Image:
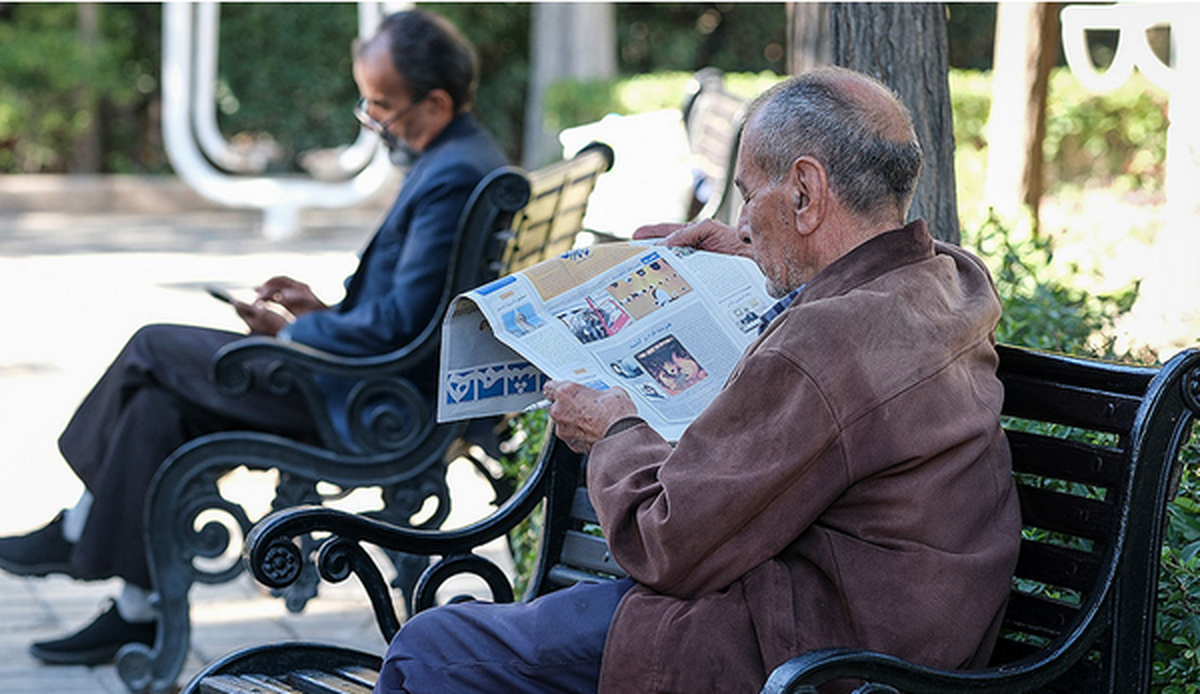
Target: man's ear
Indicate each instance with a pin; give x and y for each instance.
(442, 103)
(810, 193)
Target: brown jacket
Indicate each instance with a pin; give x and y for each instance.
(850, 486)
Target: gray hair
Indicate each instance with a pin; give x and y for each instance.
(812, 115)
(429, 53)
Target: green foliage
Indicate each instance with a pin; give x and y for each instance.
(1119, 135)
(1041, 308)
(530, 432)
(285, 71)
(55, 86)
(735, 37)
(1177, 646)
(972, 31)
(1113, 139)
(500, 33)
(570, 103)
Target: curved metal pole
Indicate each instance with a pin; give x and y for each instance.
(350, 161)
(281, 199)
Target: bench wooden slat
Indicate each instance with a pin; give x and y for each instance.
(320, 682)
(559, 576)
(1065, 460)
(1038, 615)
(1039, 399)
(362, 675)
(1065, 513)
(244, 684)
(589, 552)
(1057, 566)
(581, 507)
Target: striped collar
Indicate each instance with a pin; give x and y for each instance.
(778, 308)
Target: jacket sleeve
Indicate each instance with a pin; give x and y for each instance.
(385, 321)
(746, 478)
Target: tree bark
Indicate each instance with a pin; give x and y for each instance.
(568, 41)
(85, 154)
(808, 32)
(906, 47)
(1027, 41)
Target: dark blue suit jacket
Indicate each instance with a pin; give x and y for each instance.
(396, 288)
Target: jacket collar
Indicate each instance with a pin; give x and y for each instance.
(874, 257)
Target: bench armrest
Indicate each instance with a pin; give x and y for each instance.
(273, 555)
(885, 673)
(384, 410)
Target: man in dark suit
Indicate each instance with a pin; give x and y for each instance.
(417, 78)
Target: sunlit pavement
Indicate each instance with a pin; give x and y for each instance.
(76, 282)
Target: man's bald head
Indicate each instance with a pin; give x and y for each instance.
(853, 124)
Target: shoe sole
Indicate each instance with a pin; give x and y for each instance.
(95, 656)
(36, 570)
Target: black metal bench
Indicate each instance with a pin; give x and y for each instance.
(512, 220)
(1095, 451)
(713, 118)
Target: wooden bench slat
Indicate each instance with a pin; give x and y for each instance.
(559, 576)
(1066, 460)
(581, 507)
(1037, 614)
(1057, 566)
(244, 684)
(1065, 513)
(362, 675)
(588, 552)
(320, 682)
(1042, 400)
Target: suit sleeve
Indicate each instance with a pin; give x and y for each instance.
(755, 469)
(384, 321)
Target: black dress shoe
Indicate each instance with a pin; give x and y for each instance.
(41, 552)
(97, 643)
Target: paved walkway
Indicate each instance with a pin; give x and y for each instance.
(81, 268)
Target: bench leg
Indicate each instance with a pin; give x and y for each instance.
(401, 503)
(172, 544)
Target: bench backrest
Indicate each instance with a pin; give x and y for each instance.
(1091, 442)
(1094, 448)
(511, 219)
(712, 118)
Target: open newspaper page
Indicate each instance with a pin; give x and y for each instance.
(666, 324)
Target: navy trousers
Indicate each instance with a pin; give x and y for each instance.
(156, 396)
(551, 644)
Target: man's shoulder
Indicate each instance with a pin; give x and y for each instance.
(467, 146)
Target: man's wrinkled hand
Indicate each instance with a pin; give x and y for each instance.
(582, 415)
(297, 297)
(704, 234)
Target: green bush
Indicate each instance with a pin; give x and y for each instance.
(1117, 138)
(54, 87)
(285, 71)
(1177, 647)
(1042, 310)
(570, 103)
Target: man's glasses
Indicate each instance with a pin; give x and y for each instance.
(380, 127)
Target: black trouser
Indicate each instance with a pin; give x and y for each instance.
(154, 397)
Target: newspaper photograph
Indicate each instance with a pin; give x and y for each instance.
(667, 324)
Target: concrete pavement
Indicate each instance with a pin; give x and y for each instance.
(84, 263)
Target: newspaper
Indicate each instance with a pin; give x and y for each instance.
(666, 324)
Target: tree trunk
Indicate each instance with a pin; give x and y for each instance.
(85, 153)
(808, 32)
(906, 47)
(567, 41)
(1027, 41)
